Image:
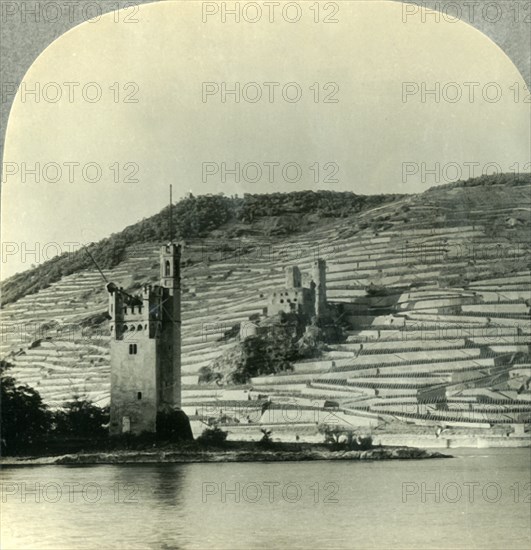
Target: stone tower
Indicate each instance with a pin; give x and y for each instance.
(170, 281)
(293, 277)
(146, 349)
(319, 279)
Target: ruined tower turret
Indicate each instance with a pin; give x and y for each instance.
(319, 279)
(293, 277)
(170, 281)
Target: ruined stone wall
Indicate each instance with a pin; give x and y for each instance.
(291, 300)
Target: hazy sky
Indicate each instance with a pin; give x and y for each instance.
(172, 129)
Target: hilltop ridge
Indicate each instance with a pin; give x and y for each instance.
(198, 218)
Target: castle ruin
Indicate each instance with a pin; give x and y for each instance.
(309, 301)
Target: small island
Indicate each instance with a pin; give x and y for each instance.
(212, 446)
(238, 454)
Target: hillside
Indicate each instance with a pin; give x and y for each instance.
(446, 342)
(197, 218)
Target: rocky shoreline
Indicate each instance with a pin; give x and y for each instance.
(180, 456)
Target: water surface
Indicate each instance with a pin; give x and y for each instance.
(480, 499)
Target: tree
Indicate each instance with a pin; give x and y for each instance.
(266, 442)
(81, 418)
(24, 419)
(340, 438)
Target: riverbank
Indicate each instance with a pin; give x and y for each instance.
(219, 455)
(456, 441)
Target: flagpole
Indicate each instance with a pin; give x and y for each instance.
(171, 216)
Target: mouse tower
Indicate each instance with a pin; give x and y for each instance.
(145, 332)
(146, 349)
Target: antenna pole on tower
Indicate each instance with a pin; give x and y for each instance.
(171, 216)
(95, 263)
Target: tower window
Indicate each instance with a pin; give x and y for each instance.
(139, 395)
(167, 269)
(132, 349)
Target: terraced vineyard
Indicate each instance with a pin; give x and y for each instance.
(446, 344)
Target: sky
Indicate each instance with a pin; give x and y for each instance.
(129, 105)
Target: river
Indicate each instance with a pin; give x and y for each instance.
(479, 499)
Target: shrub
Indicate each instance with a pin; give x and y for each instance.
(378, 290)
(207, 375)
(213, 436)
(265, 442)
(361, 443)
(339, 438)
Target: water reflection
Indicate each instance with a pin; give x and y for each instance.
(169, 484)
(168, 511)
